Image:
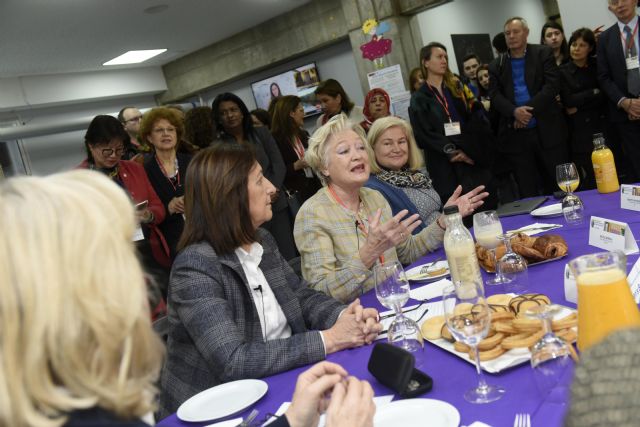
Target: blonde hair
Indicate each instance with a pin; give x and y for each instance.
(415, 160)
(76, 331)
(317, 153)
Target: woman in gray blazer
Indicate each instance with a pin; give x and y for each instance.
(236, 308)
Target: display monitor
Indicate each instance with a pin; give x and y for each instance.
(301, 82)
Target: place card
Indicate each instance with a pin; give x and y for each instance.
(630, 197)
(611, 235)
(634, 281)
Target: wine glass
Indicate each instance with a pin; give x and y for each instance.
(487, 227)
(568, 180)
(551, 355)
(392, 290)
(513, 267)
(468, 318)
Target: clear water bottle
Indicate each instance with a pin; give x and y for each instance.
(460, 249)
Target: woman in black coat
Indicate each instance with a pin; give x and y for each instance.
(233, 120)
(583, 102)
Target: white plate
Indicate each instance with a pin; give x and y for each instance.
(222, 400)
(428, 278)
(417, 413)
(511, 358)
(548, 211)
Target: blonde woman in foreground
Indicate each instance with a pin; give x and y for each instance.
(76, 343)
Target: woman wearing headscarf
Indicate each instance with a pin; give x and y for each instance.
(377, 104)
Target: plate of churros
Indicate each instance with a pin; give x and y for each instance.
(511, 335)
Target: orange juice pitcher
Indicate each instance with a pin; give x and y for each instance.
(605, 303)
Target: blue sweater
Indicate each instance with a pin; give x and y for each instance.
(397, 199)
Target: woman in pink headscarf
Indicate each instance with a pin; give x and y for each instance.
(377, 104)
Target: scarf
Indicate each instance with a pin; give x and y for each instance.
(405, 178)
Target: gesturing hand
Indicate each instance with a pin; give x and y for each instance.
(308, 398)
(469, 202)
(383, 236)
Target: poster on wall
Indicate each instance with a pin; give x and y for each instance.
(465, 44)
(389, 78)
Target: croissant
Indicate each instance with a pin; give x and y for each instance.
(551, 246)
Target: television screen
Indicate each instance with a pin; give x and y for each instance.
(301, 82)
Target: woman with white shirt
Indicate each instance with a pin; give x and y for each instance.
(236, 308)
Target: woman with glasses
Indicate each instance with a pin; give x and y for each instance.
(104, 142)
(162, 128)
(234, 122)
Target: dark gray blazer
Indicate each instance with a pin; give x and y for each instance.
(215, 334)
(612, 71)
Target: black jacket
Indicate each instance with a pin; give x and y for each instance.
(543, 82)
(580, 90)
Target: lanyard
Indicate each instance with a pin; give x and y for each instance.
(628, 44)
(298, 147)
(164, 172)
(440, 99)
(359, 221)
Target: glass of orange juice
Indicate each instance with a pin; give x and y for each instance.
(605, 303)
(568, 180)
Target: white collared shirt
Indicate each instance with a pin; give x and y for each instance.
(272, 319)
(632, 24)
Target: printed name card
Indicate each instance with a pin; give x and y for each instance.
(634, 281)
(611, 235)
(630, 197)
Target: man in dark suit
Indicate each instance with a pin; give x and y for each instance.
(532, 132)
(619, 78)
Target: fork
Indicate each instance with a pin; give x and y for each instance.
(247, 421)
(417, 320)
(522, 420)
(425, 268)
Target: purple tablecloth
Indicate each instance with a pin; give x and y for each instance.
(451, 375)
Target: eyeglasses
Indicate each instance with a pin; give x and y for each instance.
(134, 119)
(108, 152)
(160, 131)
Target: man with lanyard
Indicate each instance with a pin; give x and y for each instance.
(532, 132)
(619, 78)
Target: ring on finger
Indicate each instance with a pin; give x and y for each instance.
(402, 235)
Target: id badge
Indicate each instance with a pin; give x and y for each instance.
(308, 172)
(632, 62)
(452, 128)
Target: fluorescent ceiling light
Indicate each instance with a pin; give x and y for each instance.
(135, 56)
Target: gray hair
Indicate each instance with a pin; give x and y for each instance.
(517, 18)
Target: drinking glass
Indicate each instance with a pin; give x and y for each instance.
(487, 227)
(568, 180)
(551, 355)
(605, 301)
(392, 290)
(513, 267)
(468, 318)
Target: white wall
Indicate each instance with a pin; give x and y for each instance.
(479, 17)
(335, 61)
(584, 13)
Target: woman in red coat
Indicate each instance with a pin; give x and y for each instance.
(104, 142)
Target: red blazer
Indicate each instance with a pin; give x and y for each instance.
(134, 178)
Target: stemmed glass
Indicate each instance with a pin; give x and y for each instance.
(551, 355)
(468, 318)
(392, 290)
(568, 180)
(513, 268)
(487, 227)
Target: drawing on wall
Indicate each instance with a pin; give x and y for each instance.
(464, 44)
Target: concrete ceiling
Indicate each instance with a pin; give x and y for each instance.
(64, 36)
